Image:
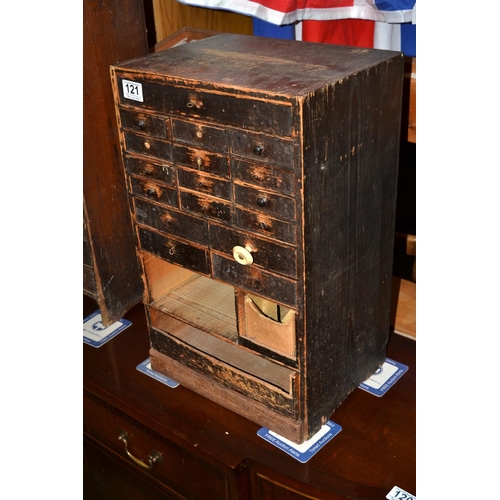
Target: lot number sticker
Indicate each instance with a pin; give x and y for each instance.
(399, 494)
(132, 90)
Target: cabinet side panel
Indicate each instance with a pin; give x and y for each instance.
(113, 31)
(351, 134)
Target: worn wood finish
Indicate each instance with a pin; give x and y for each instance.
(210, 450)
(112, 31)
(312, 132)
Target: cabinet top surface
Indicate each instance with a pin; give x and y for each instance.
(251, 63)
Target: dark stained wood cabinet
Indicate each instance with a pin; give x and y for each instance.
(262, 182)
(209, 452)
(112, 31)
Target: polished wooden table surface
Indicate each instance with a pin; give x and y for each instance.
(375, 450)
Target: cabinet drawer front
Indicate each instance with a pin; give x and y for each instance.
(181, 471)
(154, 191)
(268, 226)
(200, 181)
(174, 251)
(203, 205)
(149, 147)
(266, 254)
(161, 171)
(199, 159)
(153, 126)
(200, 135)
(264, 201)
(262, 148)
(264, 176)
(251, 114)
(255, 280)
(171, 221)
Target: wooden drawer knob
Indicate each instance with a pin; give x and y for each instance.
(242, 255)
(258, 149)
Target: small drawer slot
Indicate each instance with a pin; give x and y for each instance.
(200, 135)
(174, 251)
(161, 171)
(265, 201)
(266, 225)
(150, 125)
(144, 145)
(171, 221)
(199, 159)
(200, 181)
(153, 191)
(263, 176)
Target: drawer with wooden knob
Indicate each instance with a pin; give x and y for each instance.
(162, 171)
(264, 176)
(204, 183)
(154, 126)
(266, 225)
(174, 251)
(206, 206)
(213, 163)
(262, 147)
(153, 191)
(200, 135)
(264, 201)
(171, 221)
(145, 145)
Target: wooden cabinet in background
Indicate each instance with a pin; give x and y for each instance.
(113, 31)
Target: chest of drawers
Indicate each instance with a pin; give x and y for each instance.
(262, 182)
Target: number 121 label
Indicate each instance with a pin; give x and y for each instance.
(399, 494)
(132, 90)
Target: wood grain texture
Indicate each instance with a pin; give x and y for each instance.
(113, 31)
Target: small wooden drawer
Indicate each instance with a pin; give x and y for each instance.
(161, 171)
(149, 147)
(255, 280)
(252, 114)
(171, 221)
(153, 126)
(198, 159)
(264, 201)
(266, 254)
(179, 470)
(264, 176)
(262, 148)
(154, 191)
(200, 181)
(205, 206)
(201, 135)
(174, 251)
(266, 225)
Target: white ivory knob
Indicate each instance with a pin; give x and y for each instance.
(242, 256)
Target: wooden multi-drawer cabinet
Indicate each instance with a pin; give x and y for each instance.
(262, 183)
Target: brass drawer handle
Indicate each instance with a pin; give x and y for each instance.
(153, 458)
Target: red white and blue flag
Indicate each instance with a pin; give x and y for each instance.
(364, 23)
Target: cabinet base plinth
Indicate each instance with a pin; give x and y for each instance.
(293, 430)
